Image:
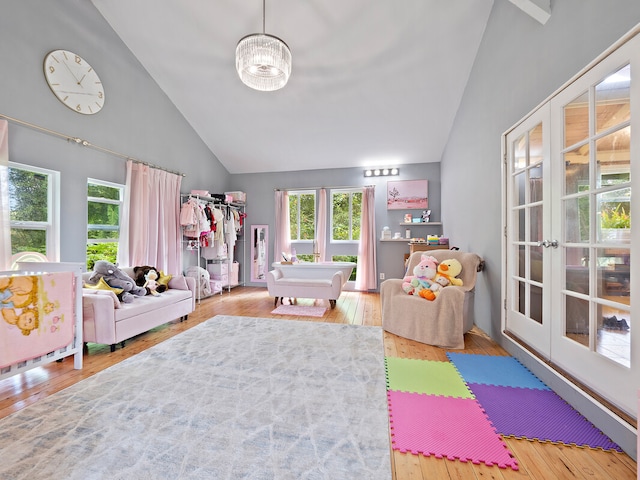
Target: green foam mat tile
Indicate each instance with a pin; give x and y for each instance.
(425, 376)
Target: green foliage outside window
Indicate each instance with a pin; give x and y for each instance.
(103, 222)
(28, 192)
(347, 258)
(615, 217)
(28, 202)
(302, 215)
(346, 210)
(101, 251)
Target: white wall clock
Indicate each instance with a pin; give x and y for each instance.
(74, 81)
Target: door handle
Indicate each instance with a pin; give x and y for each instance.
(548, 243)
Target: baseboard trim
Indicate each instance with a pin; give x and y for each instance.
(619, 426)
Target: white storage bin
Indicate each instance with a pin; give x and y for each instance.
(218, 268)
(238, 197)
(224, 279)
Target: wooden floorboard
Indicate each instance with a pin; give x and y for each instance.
(537, 461)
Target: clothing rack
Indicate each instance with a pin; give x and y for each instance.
(227, 208)
(320, 188)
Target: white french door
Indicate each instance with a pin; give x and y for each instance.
(528, 224)
(570, 260)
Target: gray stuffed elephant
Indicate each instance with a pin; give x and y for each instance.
(116, 278)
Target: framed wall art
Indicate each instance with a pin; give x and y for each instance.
(407, 195)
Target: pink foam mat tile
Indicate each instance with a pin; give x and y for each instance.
(445, 427)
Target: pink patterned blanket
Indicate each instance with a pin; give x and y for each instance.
(36, 315)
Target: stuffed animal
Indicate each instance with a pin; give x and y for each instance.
(117, 279)
(423, 275)
(147, 277)
(448, 270)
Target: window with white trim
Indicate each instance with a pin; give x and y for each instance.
(104, 207)
(34, 204)
(302, 215)
(346, 206)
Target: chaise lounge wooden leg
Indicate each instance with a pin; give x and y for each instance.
(332, 303)
(113, 347)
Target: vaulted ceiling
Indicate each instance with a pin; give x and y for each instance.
(373, 82)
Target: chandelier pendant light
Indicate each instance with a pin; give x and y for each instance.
(263, 61)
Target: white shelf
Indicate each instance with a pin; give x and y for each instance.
(422, 224)
(405, 240)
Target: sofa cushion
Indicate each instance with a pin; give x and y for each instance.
(108, 292)
(149, 303)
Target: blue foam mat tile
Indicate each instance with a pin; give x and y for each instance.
(491, 370)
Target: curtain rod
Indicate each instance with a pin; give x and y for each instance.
(84, 143)
(319, 188)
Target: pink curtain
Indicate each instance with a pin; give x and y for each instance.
(5, 226)
(366, 276)
(282, 242)
(152, 201)
(321, 226)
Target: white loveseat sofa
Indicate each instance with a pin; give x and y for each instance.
(108, 321)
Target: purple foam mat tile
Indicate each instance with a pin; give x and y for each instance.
(445, 427)
(538, 415)
(494, 370)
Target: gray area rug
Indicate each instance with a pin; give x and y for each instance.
(234, 397)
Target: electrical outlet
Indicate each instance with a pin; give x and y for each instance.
(382, 276)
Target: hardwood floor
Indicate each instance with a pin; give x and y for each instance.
(536, 460)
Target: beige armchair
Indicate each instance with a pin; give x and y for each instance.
(441, 322)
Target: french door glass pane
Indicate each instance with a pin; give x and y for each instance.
(615, 216)
(519, 188)
(519, 221)
(535, 145)
(577, 270)
(535, 295)
(535, 229)
(613, 277)
(576, 169)
(576, 120)
(577, 219)
(535, 184)
(614, 334)
(613, 155)
(577, 320)
(536, 263)
(612, 100)
(520, 152)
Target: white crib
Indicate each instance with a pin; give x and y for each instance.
(75, 347)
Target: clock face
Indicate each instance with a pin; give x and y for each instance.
(74, 82)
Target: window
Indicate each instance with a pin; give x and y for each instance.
(34, 210)
(103, 220)
(302, 215)
(346, 206)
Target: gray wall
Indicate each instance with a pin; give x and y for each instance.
(519, 64)
(138, 120)
(260, 204)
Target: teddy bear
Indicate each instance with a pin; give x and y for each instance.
(147, 277)
(448, 270)
(423, 275)
(116, 279)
